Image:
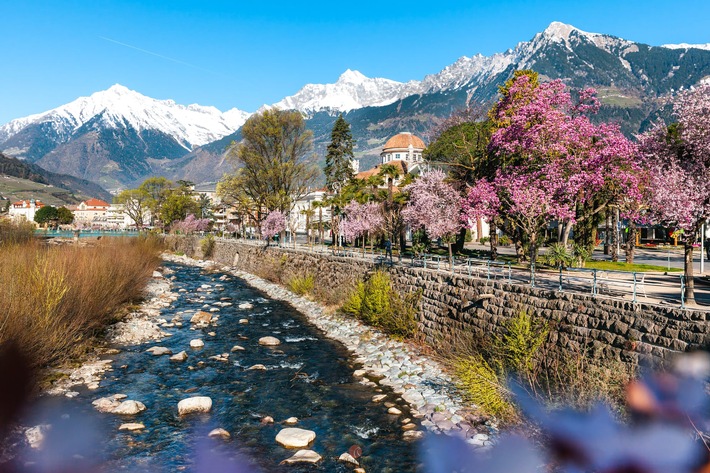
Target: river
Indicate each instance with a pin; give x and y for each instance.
(307, 376)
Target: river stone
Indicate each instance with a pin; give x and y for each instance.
(359, 373)
(196, 343)
(303, 456)
(35, 435)
(413, 435)
(219, 432)
(259, 367)
(414, 397)
(347, 458)
(269, 341)
(132, 426)
(194, 404)
(409, 426)
(359, 470)
(293, 437)
(157, 275)
(394, 411)
(157, 351)
(237, 348)
(243, 321)
(201, 317)
(379, 397)
(291, 421)
(267, 420)
(246, 305)
(129, 408)
(182, 356)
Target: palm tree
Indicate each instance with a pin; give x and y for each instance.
(309, 212)
(389, 172)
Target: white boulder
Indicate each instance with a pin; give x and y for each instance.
(194, 404)
(292, 437)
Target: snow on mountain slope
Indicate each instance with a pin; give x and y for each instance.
(705, 46)
(352, 90)
(118, 106)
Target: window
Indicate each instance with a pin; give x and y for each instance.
(396, 156)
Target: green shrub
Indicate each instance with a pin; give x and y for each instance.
(581, 254)
(207, 246)
(469, 236)
(302, 285)
(12, 233)
(504, 240)
(481, 386)
(378, 304)
(485, 240)
(521, 342)
(557, 255)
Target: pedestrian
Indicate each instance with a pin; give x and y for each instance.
(707, 248)
(388, 250)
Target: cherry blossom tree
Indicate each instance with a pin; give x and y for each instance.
(482, 202)
(542, 132)
(190, 224)
(679, 159)
(273, 224)
(362, 220)
(434, 205)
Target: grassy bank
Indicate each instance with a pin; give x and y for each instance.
(54, 299)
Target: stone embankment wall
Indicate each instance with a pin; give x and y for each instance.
(456, 305)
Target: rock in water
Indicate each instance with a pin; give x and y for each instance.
(221, 433)
(347, 458)
(194, 404)
(237, 348)
(293, 437)
(303, 456)
(35, 435)
(246, 305)
(132, 426)
(291, 421)
(394, 411)
(269, 341)
(258, 367)
(196, 343)
(129, 408)
(201, 317)
(157, 351)
(182, 356)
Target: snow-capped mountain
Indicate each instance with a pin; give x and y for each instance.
(119, 137)
(116, 136)
(351, 91)
(118, 107)
(705, 46)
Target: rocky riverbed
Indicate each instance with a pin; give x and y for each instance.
(139, 326)
(420, 382)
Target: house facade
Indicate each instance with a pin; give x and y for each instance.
(24, 210)
(90, 211)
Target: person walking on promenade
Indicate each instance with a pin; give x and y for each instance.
(388, 250)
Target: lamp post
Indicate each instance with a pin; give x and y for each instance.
(702, 249)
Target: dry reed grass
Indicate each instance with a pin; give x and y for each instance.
(55, 298)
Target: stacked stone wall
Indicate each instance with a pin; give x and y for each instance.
(452, 306)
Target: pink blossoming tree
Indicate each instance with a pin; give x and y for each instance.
(190, 224)
(362, 220)
(273, 224)
(434, 205)
(545, 139)
(679, 159)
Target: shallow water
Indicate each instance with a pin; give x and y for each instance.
(307, 376)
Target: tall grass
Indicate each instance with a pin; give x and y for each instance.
(55, 298)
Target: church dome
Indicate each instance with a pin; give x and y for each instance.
(402, 141)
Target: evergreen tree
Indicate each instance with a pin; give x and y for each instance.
(338, 168)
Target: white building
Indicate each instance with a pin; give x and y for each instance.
(305, 203)
(403, 147)
(90, 211)
(25, 209)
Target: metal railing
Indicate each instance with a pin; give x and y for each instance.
(649, 288)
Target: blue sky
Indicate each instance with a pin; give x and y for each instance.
(244, 54)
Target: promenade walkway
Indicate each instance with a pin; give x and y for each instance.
(657, 288)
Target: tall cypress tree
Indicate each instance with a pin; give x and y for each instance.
(338, 168)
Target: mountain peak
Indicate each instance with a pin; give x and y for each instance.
(352, 77)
